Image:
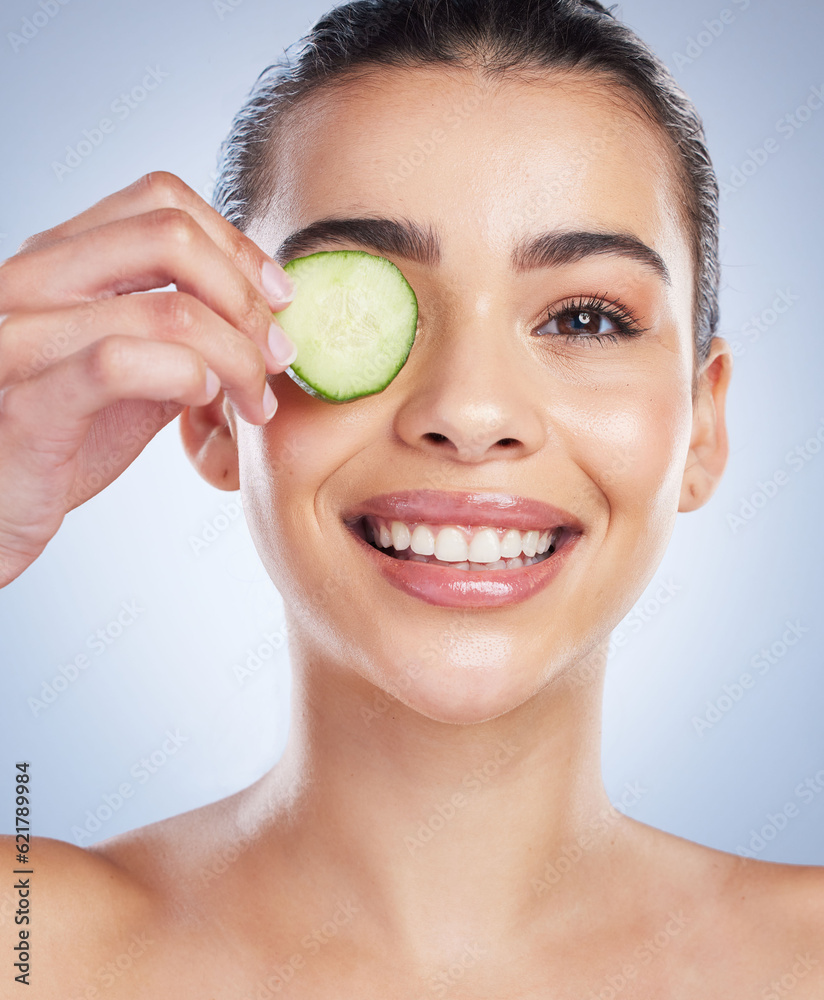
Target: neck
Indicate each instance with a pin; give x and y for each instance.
(444, 834)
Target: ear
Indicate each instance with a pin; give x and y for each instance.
(709, 447)
(208, 435)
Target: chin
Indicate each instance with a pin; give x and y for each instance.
(473, 681)
(466, 708)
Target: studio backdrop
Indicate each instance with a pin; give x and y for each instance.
(144, 659)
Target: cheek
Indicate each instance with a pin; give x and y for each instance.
(288, 460)
(281, 467)
(285, 470)
(631, 439)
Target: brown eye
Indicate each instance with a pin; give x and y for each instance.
(581, 323)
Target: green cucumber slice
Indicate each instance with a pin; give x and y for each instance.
(353, 320)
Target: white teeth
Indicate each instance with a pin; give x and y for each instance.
(407, 555)
(423, 541)
(485, 547)
(511, 544)
(450, 545)
(498, 564)
(460, 545)
(400, 536)
(530, 542)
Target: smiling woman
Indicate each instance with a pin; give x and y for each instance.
(460, 544)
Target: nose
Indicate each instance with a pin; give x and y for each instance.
(471, 398)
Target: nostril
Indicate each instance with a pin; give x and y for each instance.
(506, 442)
(435, 436)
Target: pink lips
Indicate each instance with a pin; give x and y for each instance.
(447, 587)
(496, 509)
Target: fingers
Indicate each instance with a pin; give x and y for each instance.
(89, 372)
(161, 189)
(51, 413)
(147, 251)
(31, 341)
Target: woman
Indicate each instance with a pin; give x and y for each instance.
(438, 824)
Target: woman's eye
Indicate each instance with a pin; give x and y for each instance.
(581, 323)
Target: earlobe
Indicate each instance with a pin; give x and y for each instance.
(209, 441)
(709, 447)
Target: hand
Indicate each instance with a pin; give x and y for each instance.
(93, 364)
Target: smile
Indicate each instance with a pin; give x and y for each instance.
(463, 547)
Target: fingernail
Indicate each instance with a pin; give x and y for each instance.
(281, 347)
(277, 285)
(270, 404)
(212, 382)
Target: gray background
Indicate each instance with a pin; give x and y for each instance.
(730, 590)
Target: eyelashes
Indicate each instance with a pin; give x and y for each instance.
(591, 319)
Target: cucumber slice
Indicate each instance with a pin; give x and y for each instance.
(353, 320)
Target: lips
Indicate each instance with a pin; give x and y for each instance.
(446, 587)
(503, 510)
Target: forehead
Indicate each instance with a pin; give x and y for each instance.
(484, 162)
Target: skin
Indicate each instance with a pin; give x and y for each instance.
(229, 893)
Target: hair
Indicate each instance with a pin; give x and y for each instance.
(497, 37)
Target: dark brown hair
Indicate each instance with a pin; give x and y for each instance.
(495, 36)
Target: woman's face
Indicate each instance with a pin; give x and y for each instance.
(494, 398)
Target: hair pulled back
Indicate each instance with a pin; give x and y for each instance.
(496, 36)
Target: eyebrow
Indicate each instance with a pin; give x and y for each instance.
(408, 240)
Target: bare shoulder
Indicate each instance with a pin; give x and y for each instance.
(761, 920)
(182, 851)
(792, 895)
(72, 908)
(781, 912)
(732, 876)
(97, 920)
